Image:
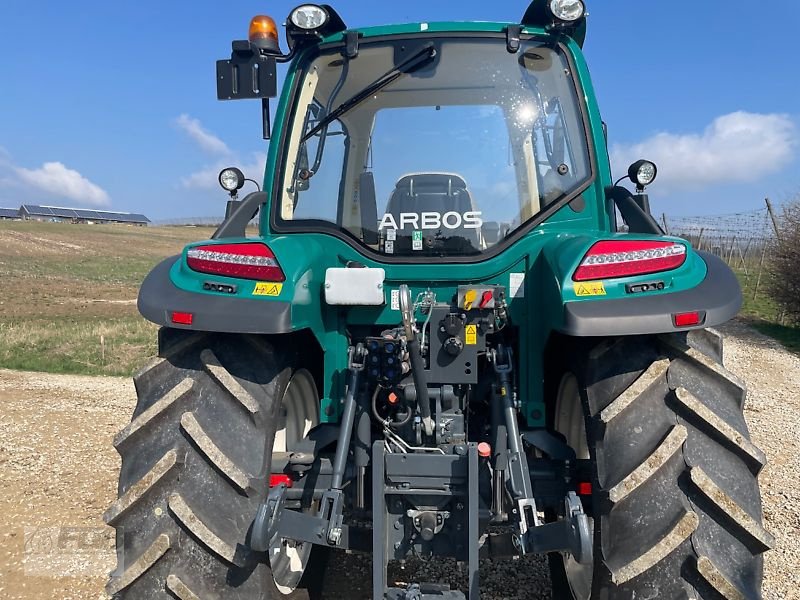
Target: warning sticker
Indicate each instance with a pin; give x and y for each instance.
(264, 288)
(590, 288)
(388, 247)
(391, 235)
(395, 299)
(416, 240)
(471, 335)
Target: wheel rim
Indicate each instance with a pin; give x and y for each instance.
(299, 414)
(570, 422)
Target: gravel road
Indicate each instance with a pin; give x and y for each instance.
(58, 474)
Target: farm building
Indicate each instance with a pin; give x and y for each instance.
(32, 212)
(11, 214)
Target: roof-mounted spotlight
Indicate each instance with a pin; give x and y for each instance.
(643, 173)
(312, 21)
(566, 16)
(567, 11)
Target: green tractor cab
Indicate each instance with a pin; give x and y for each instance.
(453, 335)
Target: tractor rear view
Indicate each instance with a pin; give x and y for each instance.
(452, 336)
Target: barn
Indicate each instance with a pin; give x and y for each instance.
(33, 212)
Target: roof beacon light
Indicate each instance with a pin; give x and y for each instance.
(309, 17)
(263, 34)
(567, 11)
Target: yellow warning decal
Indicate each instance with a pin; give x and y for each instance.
(265, 288)
(471, 337)
(590, 288)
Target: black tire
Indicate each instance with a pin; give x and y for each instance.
(195, 465)
(675, 501)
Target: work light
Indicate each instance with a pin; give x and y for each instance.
(567, 11)
(231, 179)
(643, 173)
(309, 17)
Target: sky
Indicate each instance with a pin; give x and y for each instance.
(113, 104)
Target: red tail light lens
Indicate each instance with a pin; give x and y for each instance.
(625, 258)
(246, 261)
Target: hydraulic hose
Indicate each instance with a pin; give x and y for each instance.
(417, 364)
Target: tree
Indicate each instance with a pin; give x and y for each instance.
(784, 262)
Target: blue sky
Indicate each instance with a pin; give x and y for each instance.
(114, 104)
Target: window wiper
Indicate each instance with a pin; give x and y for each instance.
(425, 55)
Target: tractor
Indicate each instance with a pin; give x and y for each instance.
(451, 334)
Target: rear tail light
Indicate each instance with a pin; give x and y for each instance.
(625, 258)
(246, 261)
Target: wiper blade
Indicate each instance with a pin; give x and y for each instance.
(425, 55)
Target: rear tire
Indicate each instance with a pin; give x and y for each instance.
(676, 504)
(195, 466)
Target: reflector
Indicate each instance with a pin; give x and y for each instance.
(689, 319)
(182, 318)
(280, 479)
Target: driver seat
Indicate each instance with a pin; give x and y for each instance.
(434, 192)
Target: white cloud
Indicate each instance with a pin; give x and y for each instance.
(207, 178)
(736, 147)
(201, 136)
(56, 179)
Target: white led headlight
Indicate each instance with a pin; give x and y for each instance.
(567, 10)
(643, 173)
(231, 179)
(308, 17)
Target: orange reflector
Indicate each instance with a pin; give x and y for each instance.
(484, 450)
(182, 318)
(689, 319)
(393, 398)
(280, 479)
(584, 488)
(263, 33)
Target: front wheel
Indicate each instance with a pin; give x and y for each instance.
(196, 463)
(675, 502)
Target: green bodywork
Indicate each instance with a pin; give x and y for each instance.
(546, 257)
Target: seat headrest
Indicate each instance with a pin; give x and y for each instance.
(431, 183)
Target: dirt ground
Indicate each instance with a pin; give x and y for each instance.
(58, 473)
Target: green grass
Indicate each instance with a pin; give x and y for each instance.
(71, 308)
(91, 346)
(764, 315)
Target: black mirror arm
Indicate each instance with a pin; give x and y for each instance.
(637, 219)
(236, 224)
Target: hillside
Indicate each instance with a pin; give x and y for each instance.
(69, 301)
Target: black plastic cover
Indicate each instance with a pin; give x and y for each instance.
(159, 297)
(718, 295)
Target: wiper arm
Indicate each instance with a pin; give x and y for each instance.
(420, 58)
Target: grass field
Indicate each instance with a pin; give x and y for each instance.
(69, 298)
(763, 314)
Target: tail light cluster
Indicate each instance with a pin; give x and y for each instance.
(626, 258)
(245, 261)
